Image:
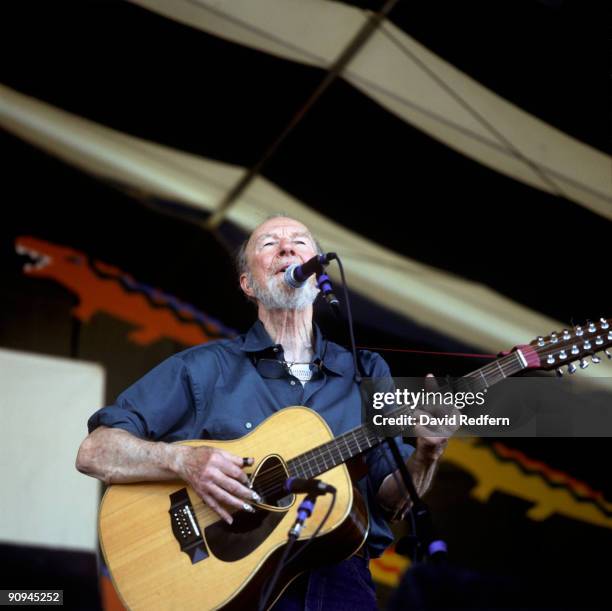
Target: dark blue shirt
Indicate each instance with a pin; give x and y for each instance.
(223, 389)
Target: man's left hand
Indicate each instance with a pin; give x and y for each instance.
(430, 449)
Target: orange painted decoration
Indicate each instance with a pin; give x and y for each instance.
(102, 288)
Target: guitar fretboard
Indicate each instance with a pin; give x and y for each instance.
(362, 438)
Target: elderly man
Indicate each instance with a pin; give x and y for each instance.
(220, 391)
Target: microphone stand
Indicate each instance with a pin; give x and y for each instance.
(423, 540)
(427, 545)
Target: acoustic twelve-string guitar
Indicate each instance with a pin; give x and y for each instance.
(166, 549)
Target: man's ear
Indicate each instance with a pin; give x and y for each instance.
(245, 286)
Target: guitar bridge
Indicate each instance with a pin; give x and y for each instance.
(185, 526)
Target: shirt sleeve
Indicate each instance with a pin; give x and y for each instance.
(380, 460)
(162, 401)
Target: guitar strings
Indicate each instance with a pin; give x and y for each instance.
(271, 480)
(500, 369)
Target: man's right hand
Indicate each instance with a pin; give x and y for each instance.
(115, 456)
(218, 478)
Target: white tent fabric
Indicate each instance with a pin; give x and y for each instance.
(469, 312)
(414, 84)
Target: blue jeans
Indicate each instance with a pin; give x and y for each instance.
(347, 586)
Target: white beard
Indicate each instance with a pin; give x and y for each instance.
(277, 295)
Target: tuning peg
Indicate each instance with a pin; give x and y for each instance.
(604, 323)
(540, 340)
(587, 345)
(609, 334)
(553, 338)
(571, 368)
(562, 355)
(579, 331)
(584, 364)
(592, 328)
(599, 340)
(608, 354)
(575, 349)
(566, 335)
(559, 372)
(551, 359)
(595, 359)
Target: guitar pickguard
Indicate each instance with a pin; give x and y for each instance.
(231, 542)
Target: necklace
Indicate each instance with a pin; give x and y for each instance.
(301, 371)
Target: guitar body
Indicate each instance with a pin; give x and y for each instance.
(188, 558)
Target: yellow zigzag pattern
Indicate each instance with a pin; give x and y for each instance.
(493, 475)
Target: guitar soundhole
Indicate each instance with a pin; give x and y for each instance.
(231, 542)
(268, 481)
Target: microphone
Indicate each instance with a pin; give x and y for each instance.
(310, 486)
(296, 275)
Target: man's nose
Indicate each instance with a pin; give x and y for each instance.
(286, 247)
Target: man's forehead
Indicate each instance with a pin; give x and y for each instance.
(280, 227)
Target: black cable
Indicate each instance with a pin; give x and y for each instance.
(265, 595)
(358, 380)
(419, 508)
(283, 561)
(349, 316)
(317, 530)
(358, 371)
(413, 532)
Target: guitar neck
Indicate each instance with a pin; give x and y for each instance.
(360, 439)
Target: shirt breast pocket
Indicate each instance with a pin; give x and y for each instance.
(228, 426)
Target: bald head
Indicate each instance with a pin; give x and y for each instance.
(272, 228)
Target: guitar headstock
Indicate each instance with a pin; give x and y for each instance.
(576, 344)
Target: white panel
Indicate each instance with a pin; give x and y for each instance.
(44, 406)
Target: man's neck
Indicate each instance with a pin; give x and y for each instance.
(292, 329)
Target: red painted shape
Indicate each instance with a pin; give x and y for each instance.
(71, 269)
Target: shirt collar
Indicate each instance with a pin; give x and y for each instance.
(257, 339)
